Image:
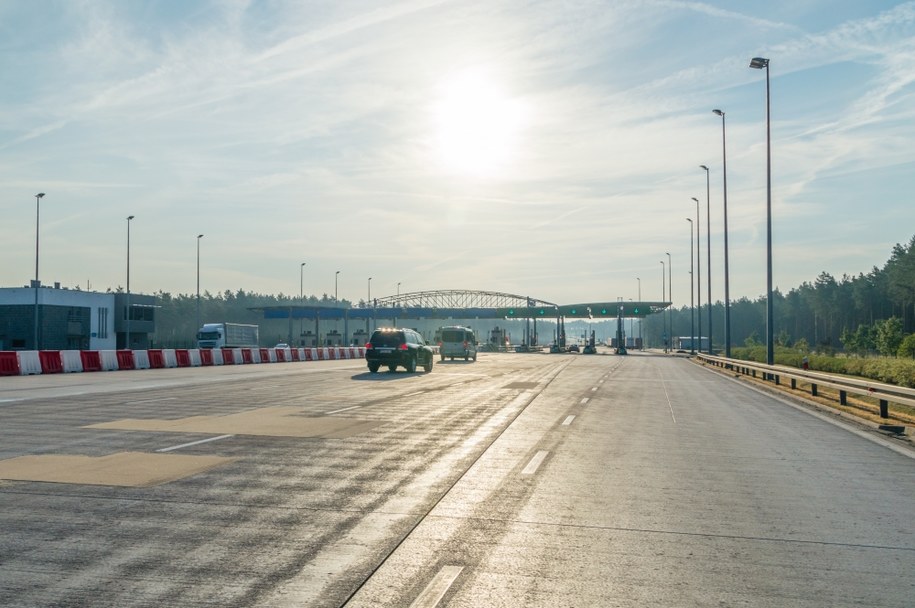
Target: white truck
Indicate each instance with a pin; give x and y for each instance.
(228, 335)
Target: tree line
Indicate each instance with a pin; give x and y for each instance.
(863, 314)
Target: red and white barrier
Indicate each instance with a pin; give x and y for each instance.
(31, 362)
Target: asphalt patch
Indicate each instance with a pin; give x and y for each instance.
(269, 421)
(127, 469)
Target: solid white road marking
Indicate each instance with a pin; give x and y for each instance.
(437, 587)
(187, 445)
(568, 421)
(346, 409)
(535, 463)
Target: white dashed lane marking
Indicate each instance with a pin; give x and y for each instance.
(187, 445)
(437, 587)
(535, 463)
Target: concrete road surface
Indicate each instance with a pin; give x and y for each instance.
(518, 480)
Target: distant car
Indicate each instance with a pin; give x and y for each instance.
(458, 341)
(573, 348)
(282, 345)
(395, 347)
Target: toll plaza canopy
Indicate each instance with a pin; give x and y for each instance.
(463, 304)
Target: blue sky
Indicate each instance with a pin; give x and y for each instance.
(540, 148)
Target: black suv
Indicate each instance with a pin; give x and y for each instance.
(397, 346)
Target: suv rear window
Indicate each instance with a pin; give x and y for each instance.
(453, 335)
(387, 338)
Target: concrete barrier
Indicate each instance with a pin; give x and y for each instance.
(51, 363)
(92, 361)
(71, 360)
(140, 359)
(9, 363)
(200, 357)
(29, 362)
(15, 363)
(108, 360)
(126, 360)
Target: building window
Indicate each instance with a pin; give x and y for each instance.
(103, 323)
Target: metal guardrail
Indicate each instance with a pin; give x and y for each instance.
(884, 393)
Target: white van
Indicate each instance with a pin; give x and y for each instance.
(457, 341)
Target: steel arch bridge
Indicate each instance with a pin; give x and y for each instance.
(463, 304)
(457, 299)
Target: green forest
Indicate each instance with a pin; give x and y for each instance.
(861, 315)
(871, 313)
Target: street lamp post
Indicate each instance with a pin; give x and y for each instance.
(698, 274)
(759, 63)
(368, 303)
(692, 286)
(38, 198)
(301, 297)
(127, 341)
(670, 297)
(727, 294)
(640, 319)
(664, 299)
(199, 236)
(398, 290)
(708, 250)
(336, 274)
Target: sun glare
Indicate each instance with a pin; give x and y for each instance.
(477, 125)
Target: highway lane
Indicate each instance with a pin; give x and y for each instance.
(671, 486)
(299, 513)
(519, 480)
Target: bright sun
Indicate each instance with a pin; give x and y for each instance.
(477, 125)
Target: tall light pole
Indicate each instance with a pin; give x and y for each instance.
(38, 197)
(664, 299)
(670, 297)
(708, 250)
(127, 342)
(368, 303)
(727, 294)
(336, 274)
(398, 290)
(698, 273)
(199, 236)
(759, 63)
(301, 297)
(692, 286)
(640, 319)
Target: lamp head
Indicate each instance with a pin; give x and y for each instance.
(695, 199)
(39, 195)
(199, 236)
(690, 220)
(718, 112)
(703, 167)
(758, 63)
(129, 217)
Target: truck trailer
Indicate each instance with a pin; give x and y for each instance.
(228, 335)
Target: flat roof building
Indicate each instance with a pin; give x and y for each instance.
(71, 319)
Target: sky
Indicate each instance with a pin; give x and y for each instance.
(540, 148)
